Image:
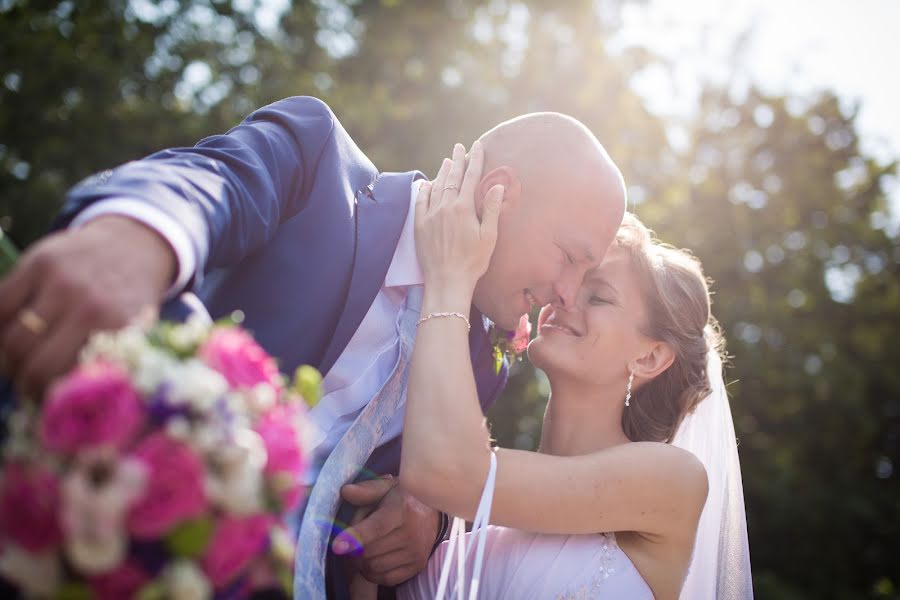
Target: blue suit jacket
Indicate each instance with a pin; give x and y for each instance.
(292, 224)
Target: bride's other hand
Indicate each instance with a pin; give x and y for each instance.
(454, 246)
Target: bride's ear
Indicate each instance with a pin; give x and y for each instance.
(505, 176)
(655, 361)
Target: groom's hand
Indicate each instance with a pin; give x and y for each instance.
(103, 275)
(393, 542)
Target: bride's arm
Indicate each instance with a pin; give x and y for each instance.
(643, 486)
(647, 487)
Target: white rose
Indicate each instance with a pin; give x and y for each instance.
(197, 385)
(237, 484)
(93, 516)
(124, 346)
(96, 555)
(261, 397)
(186, 582)
(39, 575)
(186, 336)
(179, 428)
(152, 368)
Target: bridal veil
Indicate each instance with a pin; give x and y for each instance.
(720, 568)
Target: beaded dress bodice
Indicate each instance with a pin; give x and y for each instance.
(520, 566)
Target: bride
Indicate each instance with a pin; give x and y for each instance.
(608, 507)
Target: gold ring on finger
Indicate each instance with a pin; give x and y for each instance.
(451, 186)
(32, 321)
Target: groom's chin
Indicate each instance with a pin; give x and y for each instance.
(507, 322)
(503, 319)
(496, 307)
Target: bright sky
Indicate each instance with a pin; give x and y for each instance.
(798, 46)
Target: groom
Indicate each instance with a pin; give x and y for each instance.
(285, 219)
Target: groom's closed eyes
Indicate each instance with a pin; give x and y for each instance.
(575, 252)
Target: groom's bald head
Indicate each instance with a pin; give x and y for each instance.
(564, 201)
(546, 149)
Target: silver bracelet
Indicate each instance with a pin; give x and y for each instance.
(436, 315)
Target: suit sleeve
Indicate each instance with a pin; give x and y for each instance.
(230, 192)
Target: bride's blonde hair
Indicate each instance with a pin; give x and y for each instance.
(677, 299)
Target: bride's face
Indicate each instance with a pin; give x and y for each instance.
(597, 339)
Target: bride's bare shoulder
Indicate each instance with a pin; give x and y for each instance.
(665, 455)
(672, 470)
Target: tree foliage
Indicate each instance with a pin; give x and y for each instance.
(772, 193)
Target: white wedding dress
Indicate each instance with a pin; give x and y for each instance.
(529, 566)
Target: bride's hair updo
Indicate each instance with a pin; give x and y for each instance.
(676, 297)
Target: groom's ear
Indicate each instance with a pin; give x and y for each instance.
(657, 359)
(505, 176)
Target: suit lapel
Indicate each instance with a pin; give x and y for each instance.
(380, 212)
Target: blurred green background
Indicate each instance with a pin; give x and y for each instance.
(774, 193)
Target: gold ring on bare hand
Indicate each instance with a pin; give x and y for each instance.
(451, 186)
(32, 321)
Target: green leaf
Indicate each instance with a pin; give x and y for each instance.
(286, 579)
(155, 590)
(9, 254)
(75, 590)
(190, 539)
(308, 383)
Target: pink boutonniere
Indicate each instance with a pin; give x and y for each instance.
(510, 344)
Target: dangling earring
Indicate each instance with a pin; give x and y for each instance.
(628, 394)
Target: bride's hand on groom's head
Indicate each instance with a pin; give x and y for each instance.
(454, 246)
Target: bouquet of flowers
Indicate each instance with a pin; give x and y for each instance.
(160, 467)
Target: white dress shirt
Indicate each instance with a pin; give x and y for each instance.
(368, 359)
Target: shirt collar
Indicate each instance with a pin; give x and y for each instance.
(405, 269)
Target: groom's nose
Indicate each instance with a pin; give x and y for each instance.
(565, 290)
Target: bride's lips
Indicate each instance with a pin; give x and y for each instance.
(549, 322)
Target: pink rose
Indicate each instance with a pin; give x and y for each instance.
(94, 405)
(236, 355)
(285, 462)
(123, 582)
(521, 336)
(174, 488)
(234, 545)
(29, 507)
